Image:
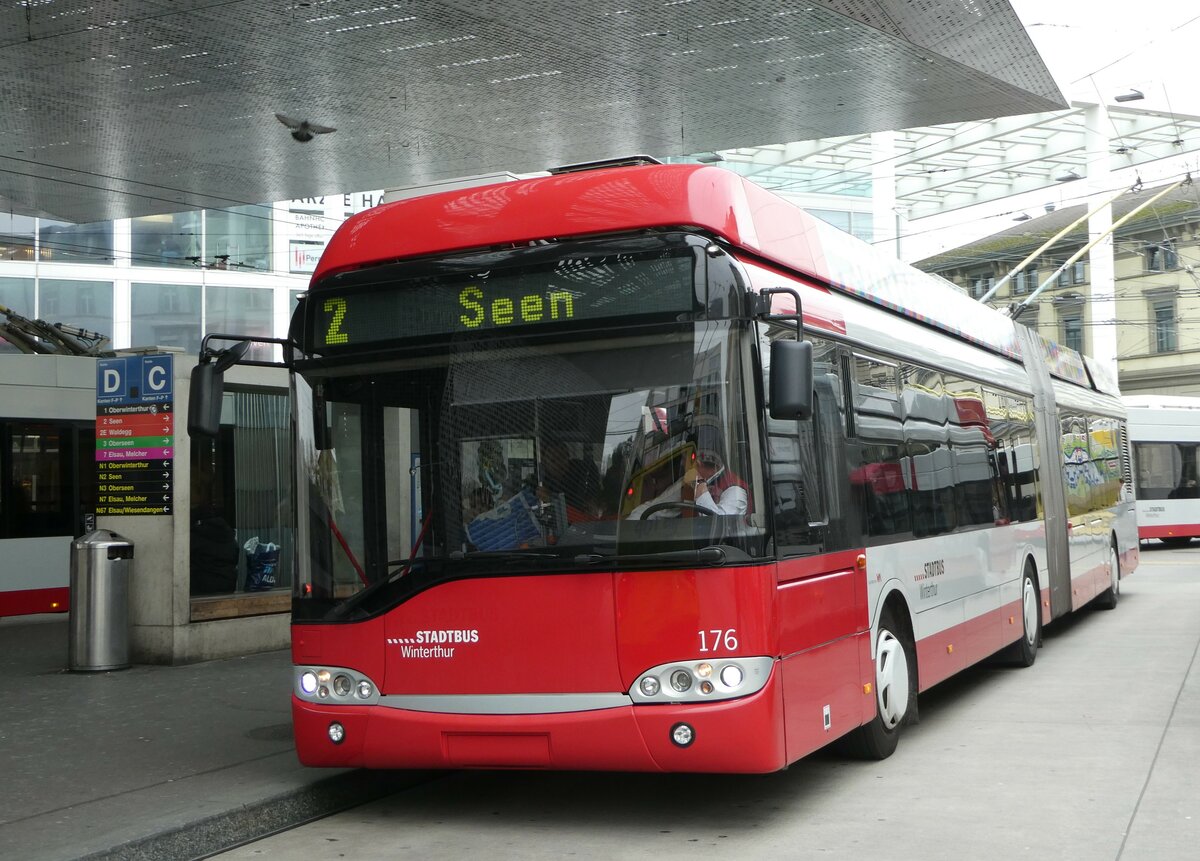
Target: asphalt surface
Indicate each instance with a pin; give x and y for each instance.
(152, 761)
(1091, 753)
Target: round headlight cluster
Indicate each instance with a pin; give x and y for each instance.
(321, 684)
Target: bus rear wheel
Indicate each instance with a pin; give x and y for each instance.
(895, 691)
(1023, 652)
(1107, 600)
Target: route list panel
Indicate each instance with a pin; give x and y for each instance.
(135, 435)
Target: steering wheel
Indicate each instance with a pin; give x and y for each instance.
(684, 505)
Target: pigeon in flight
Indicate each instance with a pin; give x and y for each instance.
(303, 130)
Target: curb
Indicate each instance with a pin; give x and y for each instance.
(224, 831)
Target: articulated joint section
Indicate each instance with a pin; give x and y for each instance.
(334, 686)
(701, 680)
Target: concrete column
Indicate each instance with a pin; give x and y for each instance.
(1102, 311)
(883, 193)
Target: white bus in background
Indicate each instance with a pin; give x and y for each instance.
(1165, 434)
(47, 476)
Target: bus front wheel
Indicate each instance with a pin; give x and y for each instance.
(895, 691)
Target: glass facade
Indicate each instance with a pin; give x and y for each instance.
(238, 237)
(172, 239)
(16, 237)
(242, 311)
(83, 304)
(241, 538)
(17, 294)
(63, 242)
(166, 315)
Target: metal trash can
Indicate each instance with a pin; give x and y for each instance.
(101, 568)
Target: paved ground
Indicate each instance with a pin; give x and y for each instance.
(152, 761)
(1089, 754)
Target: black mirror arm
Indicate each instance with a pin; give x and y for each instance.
(235, 355)
(764, 309)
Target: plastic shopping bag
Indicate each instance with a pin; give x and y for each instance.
(262, 560)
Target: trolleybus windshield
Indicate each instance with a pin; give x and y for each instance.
(495, 456)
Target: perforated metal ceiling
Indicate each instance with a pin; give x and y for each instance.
(130, 107)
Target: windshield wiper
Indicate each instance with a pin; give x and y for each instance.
(500, 554)
(711, 555)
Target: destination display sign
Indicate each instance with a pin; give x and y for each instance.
(576, 290)
(135, 435)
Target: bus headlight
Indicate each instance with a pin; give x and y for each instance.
(681, 680)
(702, 680)
(331, 686)
(308, 682)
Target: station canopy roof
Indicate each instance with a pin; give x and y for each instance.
(135, 107)
(952, 165)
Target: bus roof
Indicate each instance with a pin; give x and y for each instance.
(659, 196)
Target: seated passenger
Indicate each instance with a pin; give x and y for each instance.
(577, 480)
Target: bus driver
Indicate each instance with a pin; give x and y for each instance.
(709, 483)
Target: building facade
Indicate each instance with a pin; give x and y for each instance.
(159, 284)
(1155, 285)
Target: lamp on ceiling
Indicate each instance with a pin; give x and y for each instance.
(708, 157)
(1130, 96)
(1067, 176)
(1023, 216)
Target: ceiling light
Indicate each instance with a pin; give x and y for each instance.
(1068, 176)
(1131, 96)
(1024, 216)
(708, 157)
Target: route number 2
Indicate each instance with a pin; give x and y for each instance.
(716, 640)
(335, 335)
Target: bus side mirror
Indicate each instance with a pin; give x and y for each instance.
(208, 387)
(791, 380)
(204, 400)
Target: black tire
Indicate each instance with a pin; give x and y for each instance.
(1023, 652)
(1110, 597)
(895, 667)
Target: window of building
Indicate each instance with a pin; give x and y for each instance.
(1025, 281)
(166, 315)
(241, 500)
(172, 239)
(17, 294)
(1073, 274)
(241, 311)
(1163, 318)
(238, 238)
(1160, 256)
(63, 242)
(16, 237)
(858, 224)
(83, 304)
(981, 285)
(1072, 330)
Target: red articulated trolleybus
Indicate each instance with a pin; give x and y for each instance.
(643, 468)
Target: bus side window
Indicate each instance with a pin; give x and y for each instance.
(877, 475)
